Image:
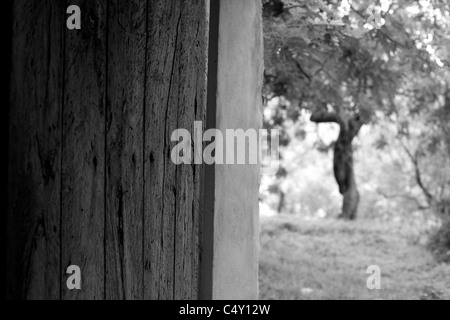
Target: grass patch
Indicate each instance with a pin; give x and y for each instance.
(328, 259)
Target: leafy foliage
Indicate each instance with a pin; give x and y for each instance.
(322, 54)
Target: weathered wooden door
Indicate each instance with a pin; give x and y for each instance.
(90, 179)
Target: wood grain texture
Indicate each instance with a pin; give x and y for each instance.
(159, 173)
(175, 64)
(124, 150)
(90, 178)
(33, 233)
(83, 154)
(191, 107)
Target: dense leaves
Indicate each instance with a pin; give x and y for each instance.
(323, 52)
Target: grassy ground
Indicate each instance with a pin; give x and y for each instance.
(328, 259)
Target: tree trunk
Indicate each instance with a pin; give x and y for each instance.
(281, 202)
(351, 199)
(343, 157)
(344, 170)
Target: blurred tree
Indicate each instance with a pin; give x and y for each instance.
(322, 56)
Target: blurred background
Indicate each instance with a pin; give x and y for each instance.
(364, 114)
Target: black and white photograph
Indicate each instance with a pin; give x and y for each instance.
(238, 151)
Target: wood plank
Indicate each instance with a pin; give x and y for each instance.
(124, 150)
(191, 107)
(83, 154)
(159, 172)
(174, 98)
(33, 232)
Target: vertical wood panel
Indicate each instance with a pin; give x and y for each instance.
(33, 231)
(191, 107)
(174, 98)
(124, 153)
(83, 154)
(90, 178)
(159, 174)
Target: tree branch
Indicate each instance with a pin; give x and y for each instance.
(415, 161)
(321, 116)
(294, 6)
(289, 56)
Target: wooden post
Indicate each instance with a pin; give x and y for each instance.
(236, 186)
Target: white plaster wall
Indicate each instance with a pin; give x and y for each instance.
(236, 225)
